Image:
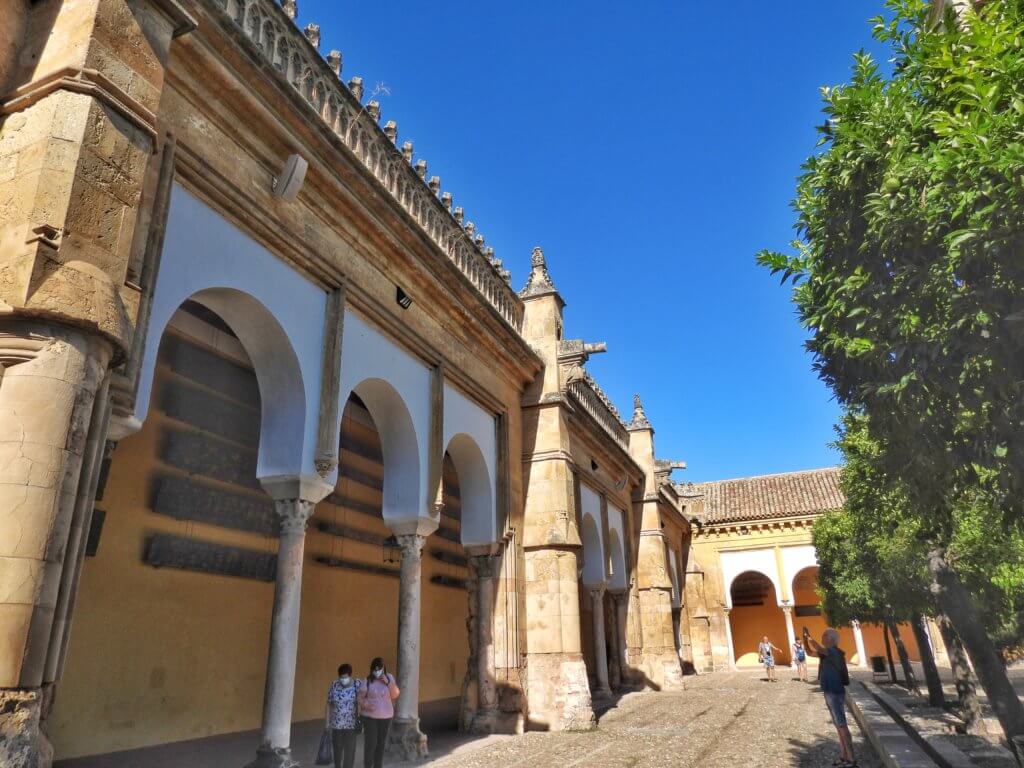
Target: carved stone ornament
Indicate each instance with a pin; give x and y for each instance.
(294, 514)
(539, 281)
(639, 417)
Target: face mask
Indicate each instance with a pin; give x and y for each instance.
(345, 679)
(378, 672)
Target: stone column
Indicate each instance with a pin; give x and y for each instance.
(50, 376)
(275, 736)
(600, 643)
(787, 610)
(406, 736)
(486, 567)
(728, 638)
(621, 615)
(858, 639)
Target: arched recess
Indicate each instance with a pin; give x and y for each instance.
(479, 521)
(276, 313)
(756, 613)
(761, 560)
(618, 576)
(616, 557)
(399, 448)
(593, 544)
(593, 556)
(395, 388)
(471, 440)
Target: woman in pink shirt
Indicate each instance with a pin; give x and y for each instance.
(376, 708)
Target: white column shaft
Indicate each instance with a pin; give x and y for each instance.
(858, 639)
(790, 631)
(728, 638)
(409, 609)
(284, 625)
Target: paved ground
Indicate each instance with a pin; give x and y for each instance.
(726, 720)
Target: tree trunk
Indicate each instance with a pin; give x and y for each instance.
(957, 605)
(936, 696)
(970, 707)
(909, 678)
(888, 652)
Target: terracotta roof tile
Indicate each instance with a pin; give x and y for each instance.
(789, 494)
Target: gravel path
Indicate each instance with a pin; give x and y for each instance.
(724, 720)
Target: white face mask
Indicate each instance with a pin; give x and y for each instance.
(378, 672)
(345, 679)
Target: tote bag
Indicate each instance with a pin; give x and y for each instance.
(325, 754)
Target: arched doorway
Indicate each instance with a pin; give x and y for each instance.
(756, 613)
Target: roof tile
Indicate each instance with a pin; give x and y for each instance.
(789, 494)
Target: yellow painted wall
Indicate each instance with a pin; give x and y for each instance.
(751, 623)
(159, 655)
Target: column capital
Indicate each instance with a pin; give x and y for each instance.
(787, 609)
(411, 544)
(294, 514)
(312, 488)
(596, 591)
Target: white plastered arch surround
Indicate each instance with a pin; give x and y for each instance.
(617, 576)
(277, 314)
(760, 560)
(794, 560)
(396, 390)
(593, 544)
(470, 439)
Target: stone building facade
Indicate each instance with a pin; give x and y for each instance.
(268, 402)
(752, 571)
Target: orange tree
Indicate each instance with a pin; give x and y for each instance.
(909, 274)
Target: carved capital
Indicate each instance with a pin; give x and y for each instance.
(411, 544)
(294, 514)
(597, 593)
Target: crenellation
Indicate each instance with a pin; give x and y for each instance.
(355, 85)
(334, 60)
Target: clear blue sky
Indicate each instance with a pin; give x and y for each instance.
(651, 149)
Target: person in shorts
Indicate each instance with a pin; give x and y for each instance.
(800, 660)
(833, 676)
(766, 653)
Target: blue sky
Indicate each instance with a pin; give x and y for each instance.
(651, 149)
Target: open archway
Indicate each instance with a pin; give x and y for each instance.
(756, 613)
(593, 552)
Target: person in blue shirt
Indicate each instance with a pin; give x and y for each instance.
(833, 676)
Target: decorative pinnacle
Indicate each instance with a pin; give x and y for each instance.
(639, 417)
(356, 86)
(421, 168)
(407, 151)
(290, 8)
(391, 130)
(373, 110)
(459, 214)
(334, 62)
(479, 240)
(435, 184)
(312, 32)
(446, 200)
(470, 228)
(539, 282)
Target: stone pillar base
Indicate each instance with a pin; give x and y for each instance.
(407, 740)
(22, 743)
(558, 693)
(663, 671)
(270, 757)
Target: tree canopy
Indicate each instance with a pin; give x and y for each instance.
(909, 269)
